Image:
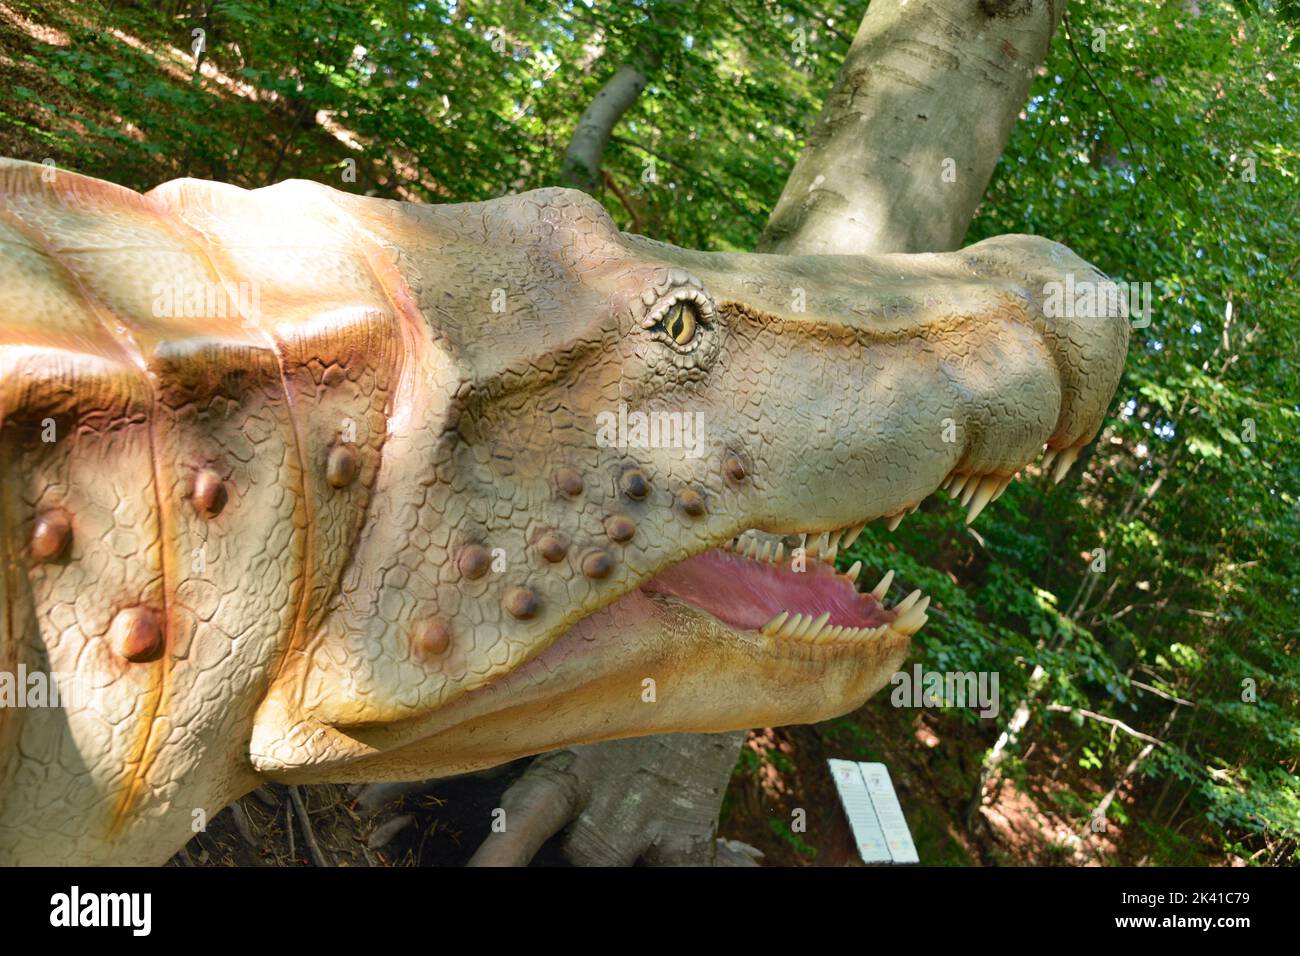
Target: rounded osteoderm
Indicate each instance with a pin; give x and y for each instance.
(343, 465)
(474, 561)
(569, 482)
(635, 484)
(51, 534)
(210, 494)
(433, 639)
(552, 547)
(597, 564)
(136, 634)
(521, 603)
(691, 502)
(620, 528)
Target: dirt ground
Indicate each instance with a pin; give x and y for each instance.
(933, 759)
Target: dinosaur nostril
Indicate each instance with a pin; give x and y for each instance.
(51, 534)
(734, 468)
(620, 528)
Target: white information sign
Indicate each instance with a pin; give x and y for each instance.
(874, 813)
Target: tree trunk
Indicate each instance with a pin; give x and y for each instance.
(581, 167)
(913, 127)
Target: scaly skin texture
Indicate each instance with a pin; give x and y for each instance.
(364, 529)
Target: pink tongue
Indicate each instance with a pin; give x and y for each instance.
(747, 594)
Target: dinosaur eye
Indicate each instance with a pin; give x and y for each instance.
(681, 322)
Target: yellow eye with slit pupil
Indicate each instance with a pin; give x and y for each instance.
(681, 323)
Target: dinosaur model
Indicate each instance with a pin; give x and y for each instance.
(302, 486)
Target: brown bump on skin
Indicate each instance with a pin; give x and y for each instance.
(552, 547)
(569, 482)
(51, 534)
(343, 465)
(620, 528)
(520, 602)
(210, 494)
(691, 502)
(635, 484)
(433, 639)
(733, 468)
(474, 561)
(597, 564)
(136, 634)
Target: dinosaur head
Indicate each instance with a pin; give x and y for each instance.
(310, 486)
(611, 502)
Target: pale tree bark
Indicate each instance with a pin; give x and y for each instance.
(924, 80)
(913, 127)
(581, 166)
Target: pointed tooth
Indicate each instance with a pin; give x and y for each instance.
(852, 535)
(833, 539)
(780, 552)
(1064, 464)
(774, 625)
(805, 625)
(803, 542)
(791, 625)
(1006, 483)
(882, 588)
(751, 552)
(829, 554)
(853, 572)
(878, 631)
(896, 520)
(905, 605)
(968, 492)
(1049, 456)
(910, 621)
(958, 484)
(982, 497)
(766, 553)
(816, 627)
(818, 547)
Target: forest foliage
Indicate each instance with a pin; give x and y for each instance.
(1143, 614)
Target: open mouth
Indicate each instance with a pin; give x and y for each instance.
(788, 588)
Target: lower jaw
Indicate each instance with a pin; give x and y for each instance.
(647, 664)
